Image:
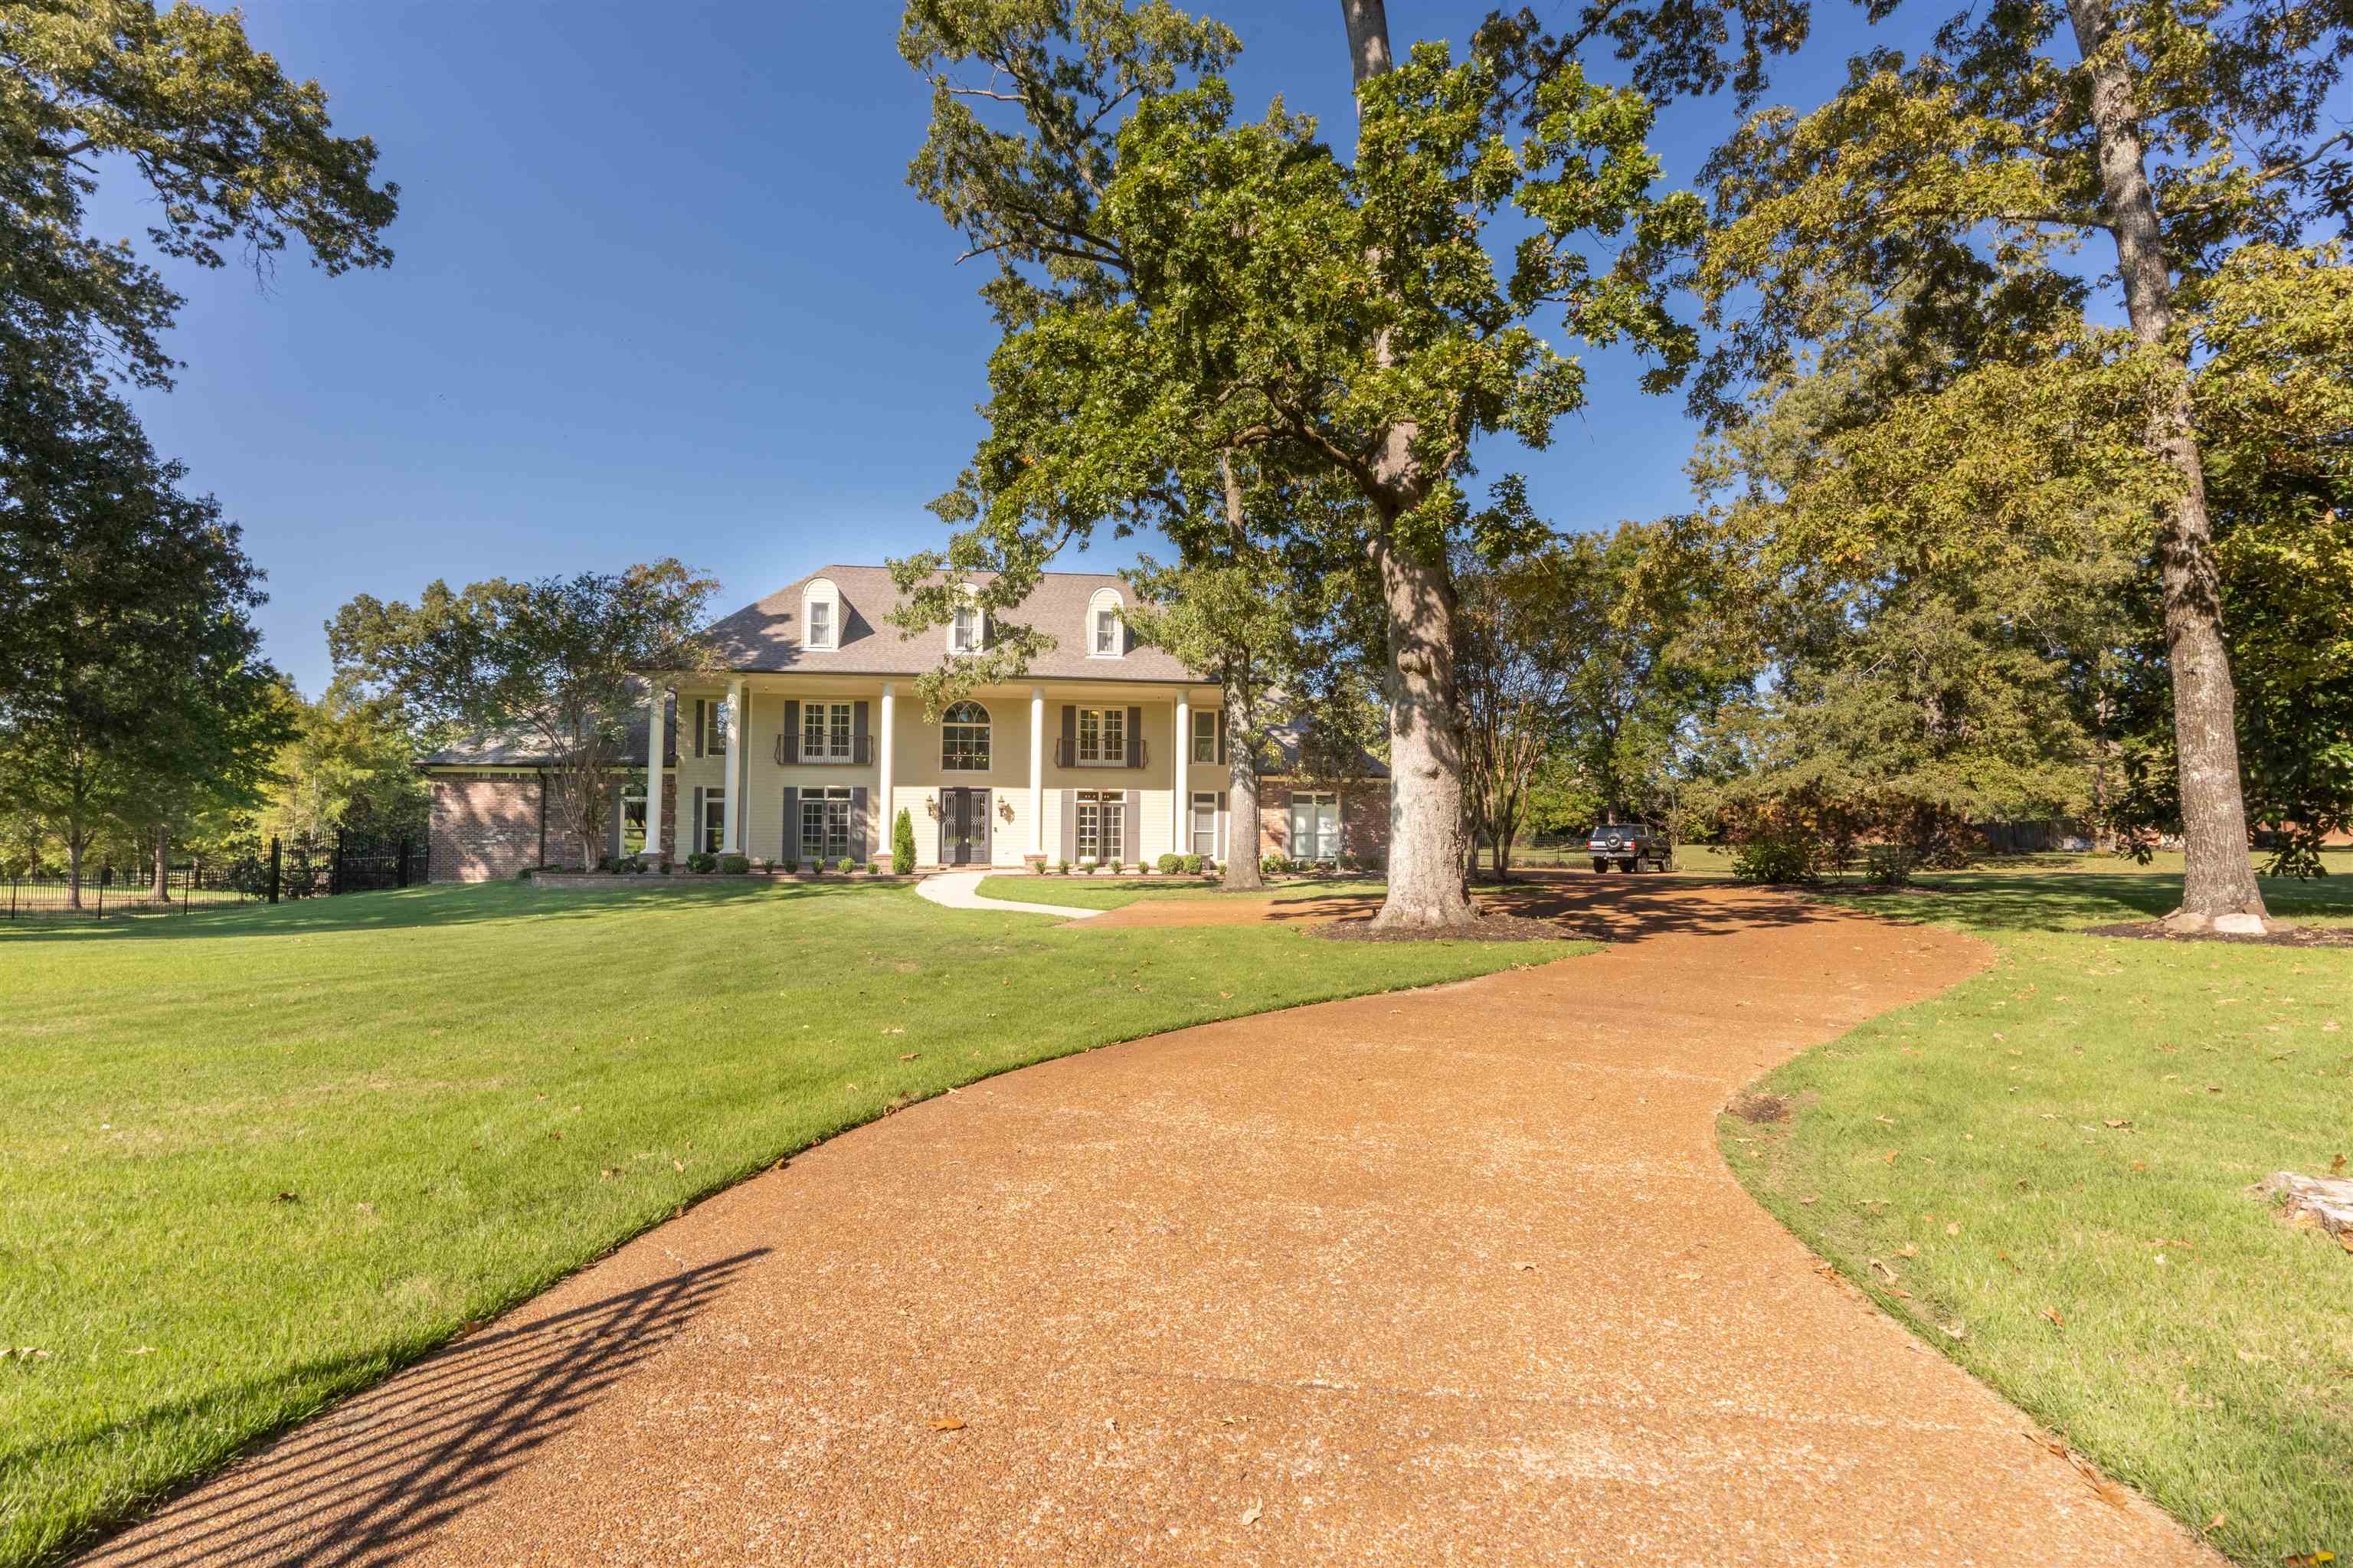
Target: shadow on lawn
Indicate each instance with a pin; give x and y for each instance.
(1613, 908)
(443, 903)
(363, 1483)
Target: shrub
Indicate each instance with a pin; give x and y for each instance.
(1274, 865)
(1192, 864)
(902, 843)
(701, 861)
(1890, 864)
(735, 864)
(1064, 866)
(1169, 863)
(524, 875)
(845, 866)
(1091, 867)
(873, 868)
(813, 867)
(1777, 858)
(665, 868)
(1348, 862)
(1039, 865)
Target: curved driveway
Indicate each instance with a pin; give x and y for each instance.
(1448, 1275)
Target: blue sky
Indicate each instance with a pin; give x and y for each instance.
(660, 288)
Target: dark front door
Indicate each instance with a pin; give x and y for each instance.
(964, 826)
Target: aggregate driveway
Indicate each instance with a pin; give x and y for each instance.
(1451, 1276)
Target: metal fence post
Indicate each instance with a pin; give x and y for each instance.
(273, 871)
(401, 880)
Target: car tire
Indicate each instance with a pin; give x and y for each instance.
(1629, 866)
(1600, 865)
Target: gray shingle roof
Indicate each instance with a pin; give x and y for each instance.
(1282, 742)
(524, 748)
(765, 637)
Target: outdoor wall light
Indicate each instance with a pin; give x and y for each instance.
(931, 807)
(1005, 810)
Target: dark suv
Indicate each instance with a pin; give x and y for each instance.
(1629, 846)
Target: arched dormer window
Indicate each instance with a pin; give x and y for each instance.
(964, 738)
(821, 614)
(967, 627)
(1106, 633)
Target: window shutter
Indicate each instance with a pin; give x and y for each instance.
(788, 848)
(1066, 754)
(1135, 737)
(699, 723)
(1221, 741)
(859, 752)
(694, 826)
(858, 815)
(789, 748)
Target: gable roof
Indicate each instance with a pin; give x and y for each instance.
(1282, 755)
(522, 746)
(765, 637)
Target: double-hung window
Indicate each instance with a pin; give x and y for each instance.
(1314, 826)
(825, 732)
(825, 824)
(1205, 735)
(714, 820)
(820, 623)
(1204, 824)
(714, 726)
(1103, 736)
(1107, 634)
(1103, 823)
(964, 636)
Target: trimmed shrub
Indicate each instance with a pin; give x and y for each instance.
(1192, 864)
(1169, 863)
(701, 861)
(734, 864)
(902, 843)
(873, 868)
(845, 866)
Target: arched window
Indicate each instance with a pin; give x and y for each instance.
(821, 614)
(964, 738)
(1107, 634)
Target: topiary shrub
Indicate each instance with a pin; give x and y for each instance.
(735, 864)
(1192, 864)
(902, 843)
(1169, 863)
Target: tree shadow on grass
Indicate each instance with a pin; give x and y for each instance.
(363, 1483)
(413, 908)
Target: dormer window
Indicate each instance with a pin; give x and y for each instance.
(821, 614)
(1106, 635)
(964, 637)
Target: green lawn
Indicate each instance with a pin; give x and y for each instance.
(2044, 1171)
(1080, 892)
(256, 1161)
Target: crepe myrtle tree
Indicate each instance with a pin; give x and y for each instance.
(1174, 281)
(558, 661)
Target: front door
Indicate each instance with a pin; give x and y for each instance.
(964, 826)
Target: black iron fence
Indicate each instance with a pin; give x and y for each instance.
(291, 868)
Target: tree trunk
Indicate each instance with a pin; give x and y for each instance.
(2220, 878)
(1242, 872)
(162, 890)
(1427, 857)
(73, 867)
(1367, 22)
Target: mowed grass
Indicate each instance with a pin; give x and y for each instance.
(2044, 1172)
(1104, 891)
(253, 1161)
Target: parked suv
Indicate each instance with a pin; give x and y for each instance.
(1629, 846)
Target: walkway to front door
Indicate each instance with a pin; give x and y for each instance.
(964, 826)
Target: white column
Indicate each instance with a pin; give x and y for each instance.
(888, 814)
(1180, 805)
(655, 744)
(731, 839)
(1037, 770)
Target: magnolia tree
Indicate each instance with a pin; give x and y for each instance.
(1175, 281)
(559, 661)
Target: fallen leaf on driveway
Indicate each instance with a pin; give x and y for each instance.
(948, 1424)
(1250, 1514)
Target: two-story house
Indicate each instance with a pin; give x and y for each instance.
(807, 739)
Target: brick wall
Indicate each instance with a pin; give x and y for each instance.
(485, 825)
(1364, 818)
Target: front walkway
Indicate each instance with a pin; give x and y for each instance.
(961, 890)
(1448, 1275)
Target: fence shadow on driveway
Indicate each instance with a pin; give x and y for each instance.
(360, 1485)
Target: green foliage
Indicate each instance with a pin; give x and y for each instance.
(1277, 865)
(902, 843)
(734, 864)
(1170, 863)
(556, 663)
(701, 861)
(349, 767)
(1778, 856)
(1191, 866)
(873, 868)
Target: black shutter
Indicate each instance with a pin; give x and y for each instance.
(788, 744)
(857, 817)
(858, 747)
(788, 848)
(694, 828)
(699, 706)
(1066, 754)
(1135, 737)
(1221, 737)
